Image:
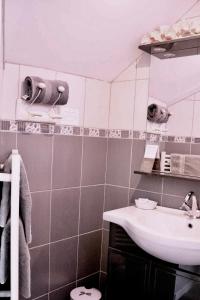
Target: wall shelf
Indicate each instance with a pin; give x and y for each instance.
(157, 173)
(175, 48)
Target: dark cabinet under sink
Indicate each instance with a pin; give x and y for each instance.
(133, 274)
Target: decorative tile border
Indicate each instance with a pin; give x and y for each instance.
(70, 130)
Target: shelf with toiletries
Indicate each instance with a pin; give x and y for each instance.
(175, 40)
(164, 174)
(175, 165)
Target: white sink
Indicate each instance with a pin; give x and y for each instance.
(163, 232)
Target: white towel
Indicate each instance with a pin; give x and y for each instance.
(24, 260)
(25, 199)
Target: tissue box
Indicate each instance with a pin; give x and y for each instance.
(185, 164)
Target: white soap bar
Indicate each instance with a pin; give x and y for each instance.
(145, 203)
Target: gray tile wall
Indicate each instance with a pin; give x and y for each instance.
(73, 179)
(67, 179)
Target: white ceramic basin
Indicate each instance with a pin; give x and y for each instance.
(166, 233)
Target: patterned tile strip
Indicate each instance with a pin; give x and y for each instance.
(70, 130)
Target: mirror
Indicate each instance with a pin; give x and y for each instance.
(175, 84)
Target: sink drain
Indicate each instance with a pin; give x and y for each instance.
(190, 225)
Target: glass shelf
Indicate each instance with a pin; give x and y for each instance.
(174, 48)
(157, 173)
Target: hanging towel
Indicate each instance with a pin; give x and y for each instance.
(157, 113)
(48, 94)
(55, 94)
(24, 259)
(30, 86)
(25, 202)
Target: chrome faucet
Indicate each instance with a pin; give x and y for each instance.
(192, 209)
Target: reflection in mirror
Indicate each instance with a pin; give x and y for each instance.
(175, 84)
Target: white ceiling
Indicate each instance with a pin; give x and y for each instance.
(94, 38)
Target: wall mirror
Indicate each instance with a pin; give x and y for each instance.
(175, 84)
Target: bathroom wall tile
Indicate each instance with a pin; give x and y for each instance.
(73, 112)
(67, 161)
(39, 271)
(147, 183)
(43, 298)
(128, 74)
(195, 149)
(40, 220)
(183, 148)
(172, 201)
(135, 194)
(9, 91)
(104, 250)
(91, 209)
(143, 66)
(180, 187)
(96, 103)
(118, 164)
(142, 182)
(7, 143)
(90, 281)
(122, 105)
(196, 123)
(115, 197)
(62, 293)
(94, 160)
(180, 122)
(89, 253)
(63, 262)
(141, 102)
(36, 151)
(64, 213)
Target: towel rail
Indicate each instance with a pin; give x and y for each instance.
(5, 177)
(5, 294)
(15, 179)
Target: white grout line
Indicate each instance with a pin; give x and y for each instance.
(65, 239)
(92, 274)
(50, 223)
(105, 175)
(130, 80)
(131, 63)
(147, 191)
(192, 128)
(66, 188)
(62, 287)
(162, 188)
(118, 186)
(81, 178)
(84, 104)
(133, 121)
